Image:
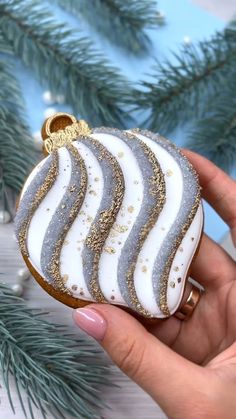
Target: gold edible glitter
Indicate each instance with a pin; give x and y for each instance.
(144, 268)
(176, 268)
(169, 173)
(96, 179)
(65, 278)
(74, 287)
(172, 284)
(130, 208)
(120, 154)
(109, 249)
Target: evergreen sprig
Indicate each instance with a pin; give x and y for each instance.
(17, 153)
(64, 62)
(122, 22)
(181, 91)
(215, 134)
(60, 374)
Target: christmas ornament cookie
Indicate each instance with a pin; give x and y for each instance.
(110, 216)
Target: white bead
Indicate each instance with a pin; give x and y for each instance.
(17, 290)
(187, 40)
(23, 274)
(48, 98)
(38, 142)
(60, 99)
(5, 217)
(49, 112)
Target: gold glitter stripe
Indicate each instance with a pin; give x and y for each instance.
(158, 192)
(39, 196)
(101, 229)
(165, 276)
(80, 191)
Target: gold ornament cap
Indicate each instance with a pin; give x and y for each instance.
(61, 129)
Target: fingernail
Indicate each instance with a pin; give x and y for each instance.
(91, 322)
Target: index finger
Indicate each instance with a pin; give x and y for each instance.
(219, 189)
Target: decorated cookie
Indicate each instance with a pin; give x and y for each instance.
(110, 216)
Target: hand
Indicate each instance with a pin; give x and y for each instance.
(189, 368)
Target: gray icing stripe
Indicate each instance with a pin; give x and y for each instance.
(188, 207)
(32, 197)
(112, 198)
(152, 204)
(62, 220)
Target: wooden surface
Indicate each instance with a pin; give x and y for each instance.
(128, 401)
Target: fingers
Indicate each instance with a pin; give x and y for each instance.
(165, 375)
(218, 189)
(212, 267)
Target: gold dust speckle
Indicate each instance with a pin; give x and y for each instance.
(74, 287)
(172, 284)
(48, 209)
(92, 192)
(120, 228)
(181, 249)
(65, 278)
(136, 182)
(89, 218)
(130, 208)
(179, 280)
(147, 260)
(66, 242)
(112, 297)
(119, 242)
(113, 241)
(176, 268)
(169, 173)
(144, 268)
(79, 248)
(129, 222)
(109, 249)
(120, 154)
(81, 293)
(96, 179)
(192, 238)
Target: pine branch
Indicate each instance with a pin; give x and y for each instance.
(181, 90)
(17, 153)
(122, 22)
(56, 371)
(66, 64)
(215, 134)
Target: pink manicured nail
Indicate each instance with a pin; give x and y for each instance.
(91, 322)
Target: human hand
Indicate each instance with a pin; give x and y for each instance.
(188, 367)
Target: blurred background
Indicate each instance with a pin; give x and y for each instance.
(168, 66)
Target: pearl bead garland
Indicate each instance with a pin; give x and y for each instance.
(5, 217)
(23, 275)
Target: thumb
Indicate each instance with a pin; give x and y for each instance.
(170, 379)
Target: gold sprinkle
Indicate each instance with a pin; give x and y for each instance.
(136, 182)
(172, 284)
(179, 280)
(176, 268)
(74, 287)
(120, 228)
(144, 268)
(48, 209)
(109, 249)
(112, 297)
(89, 218)
(181, 249)
(113, 241)
(65, 278)
(92, 192)
(120, 154)
(131, 208)
(192, 238)
(66, 242)
(81, 293)
(96, 179)
(169, 173)
(119, 242)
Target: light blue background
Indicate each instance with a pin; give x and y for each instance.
(183, 18)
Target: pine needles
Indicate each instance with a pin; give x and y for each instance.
(57, 374)
(17, 154)
(122, 22)
(67, 64)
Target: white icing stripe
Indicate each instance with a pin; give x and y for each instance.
(126, 217)
(147, 256)
(32, 175)
(74, 241)
(46, 209)
(182, 261)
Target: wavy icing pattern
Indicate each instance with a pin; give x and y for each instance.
(119, 221)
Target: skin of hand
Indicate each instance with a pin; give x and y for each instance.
(188, 367)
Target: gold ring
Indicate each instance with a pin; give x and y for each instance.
(187, 309)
